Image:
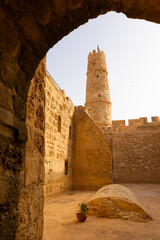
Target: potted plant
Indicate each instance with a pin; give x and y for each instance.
(81, 215)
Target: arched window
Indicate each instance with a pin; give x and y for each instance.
(70, 132)
(59, 124)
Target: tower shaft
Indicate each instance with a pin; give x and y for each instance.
(98, 102)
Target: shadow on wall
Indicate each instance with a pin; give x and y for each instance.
(92, 163)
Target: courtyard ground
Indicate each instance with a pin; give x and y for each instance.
(60, 221)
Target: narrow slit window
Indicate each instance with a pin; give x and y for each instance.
(99, 95)
(66, 167)
(59, 124)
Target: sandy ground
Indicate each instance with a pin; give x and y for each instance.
(60, 221)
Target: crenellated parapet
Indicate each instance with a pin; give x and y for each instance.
(96, 60)
(133, 123)
(155, 119)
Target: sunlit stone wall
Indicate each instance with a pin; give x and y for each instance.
(135, 150)
(58, 140)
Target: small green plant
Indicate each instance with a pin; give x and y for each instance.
(83, 207)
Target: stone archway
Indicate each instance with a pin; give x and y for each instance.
(28, 30)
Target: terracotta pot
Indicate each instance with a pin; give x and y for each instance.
(81, 217)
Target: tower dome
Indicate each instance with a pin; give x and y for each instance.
(98, 102)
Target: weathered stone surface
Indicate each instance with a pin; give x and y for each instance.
(11, 158)
(39, 123)
(30, 205)
(30, 220)
(116, 201)
(9, 194)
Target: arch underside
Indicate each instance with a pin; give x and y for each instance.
(29, 29)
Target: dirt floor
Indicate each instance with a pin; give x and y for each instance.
(60, 221)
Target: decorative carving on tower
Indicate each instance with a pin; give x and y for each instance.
(98, 102)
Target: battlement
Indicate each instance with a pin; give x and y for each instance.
(97, 61)
(120, 124)
(98, 52)
(155, 119)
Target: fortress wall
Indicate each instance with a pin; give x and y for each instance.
(136, 155)
(58, 145)
(92, 165)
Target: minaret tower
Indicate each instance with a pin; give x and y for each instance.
(98, 102)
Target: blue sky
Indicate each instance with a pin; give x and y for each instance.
(132, 49)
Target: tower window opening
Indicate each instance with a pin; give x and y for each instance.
(59, 124)
(97, 76)
(66, 167)
(99, 95)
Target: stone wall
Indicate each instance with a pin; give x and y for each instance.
(135, 151)
(31, 200)
(136, 155)
(92, 165)
(58, 136)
